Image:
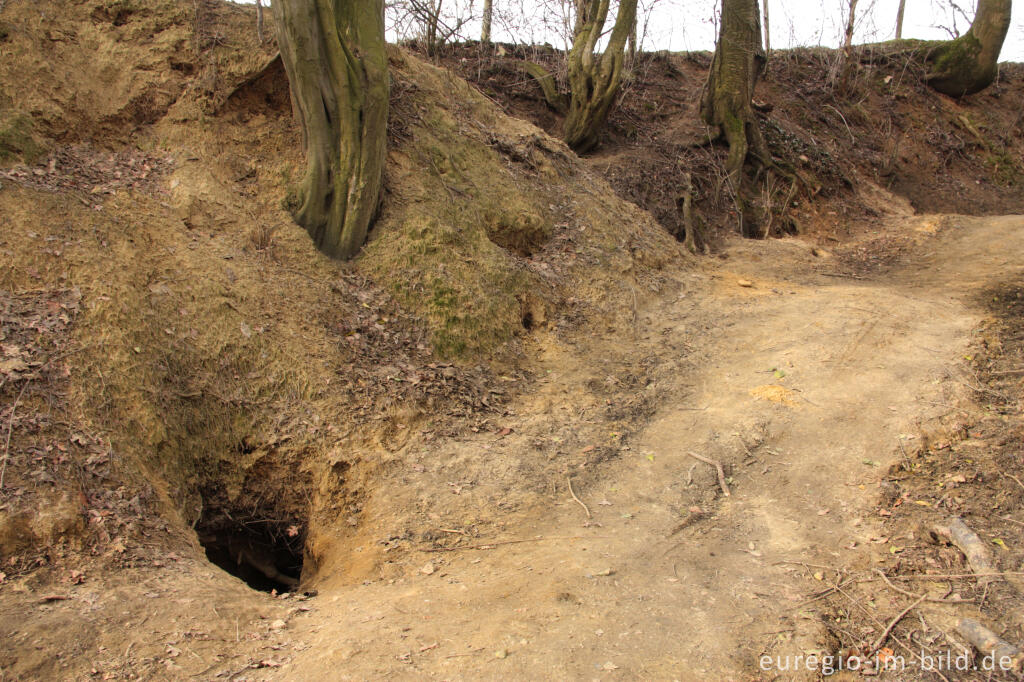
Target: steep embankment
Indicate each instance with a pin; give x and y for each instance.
(885, 131)
(210, 369)
(451, 437)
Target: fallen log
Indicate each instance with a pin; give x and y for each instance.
(1005, 656)
(957, 533)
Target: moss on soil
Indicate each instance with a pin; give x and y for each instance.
(17, 141)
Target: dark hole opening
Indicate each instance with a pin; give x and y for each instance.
(528, 320)
(265, 554)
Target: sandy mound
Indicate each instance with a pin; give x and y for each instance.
(215, 367)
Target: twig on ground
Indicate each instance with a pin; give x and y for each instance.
(852, 138)
(690, 519)
(951, 576)
(841, 274)
(892, 624)
(860, 606)
(573, 493)
(934, 600)
(831, 590)
(977, 388)
(904, 451)
(1014, 478)
(807, 565)
(10, 429)
(718, 468)
(747, 449)
(492, 545)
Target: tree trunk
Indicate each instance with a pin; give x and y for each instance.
(259, 20)
(726, 103)
(844, 67)
(899, 19)
(548, 86)
(433, 20)
(631, 45)
(335, 57)
(485, 33)
(850, 25)
(969, 63)
(767, 31)
(594, 80)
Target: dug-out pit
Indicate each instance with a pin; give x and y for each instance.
(265, 553)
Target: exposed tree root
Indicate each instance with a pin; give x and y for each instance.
(546, 81)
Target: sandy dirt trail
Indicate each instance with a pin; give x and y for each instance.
(800, 382)
(817, 375)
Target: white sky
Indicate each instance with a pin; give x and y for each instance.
(685, 24)
(690, 24)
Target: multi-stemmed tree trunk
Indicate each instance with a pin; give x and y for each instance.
(431, 14)
(969, 63)
(726, 105)
(335, 57)
(594, 79)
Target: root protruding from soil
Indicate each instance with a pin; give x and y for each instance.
(265, 554)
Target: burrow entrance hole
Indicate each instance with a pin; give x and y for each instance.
(264, 552)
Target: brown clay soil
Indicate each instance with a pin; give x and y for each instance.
(800, 383)
(482, 448)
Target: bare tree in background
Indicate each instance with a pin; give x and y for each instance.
(259, 20)
(434, 22)
(850, 25)
(899, 19)
(727, 109)
(968, 63)
(594, 77)
(488, 15)
(844, 66)
(954, 16)
(767, 31)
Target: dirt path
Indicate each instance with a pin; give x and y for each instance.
(799, 381)
(817, 375)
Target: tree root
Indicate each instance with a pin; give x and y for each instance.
(769, 167)
(690, 220)
(548, 87)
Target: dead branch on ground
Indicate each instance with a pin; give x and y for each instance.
(718, 468)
